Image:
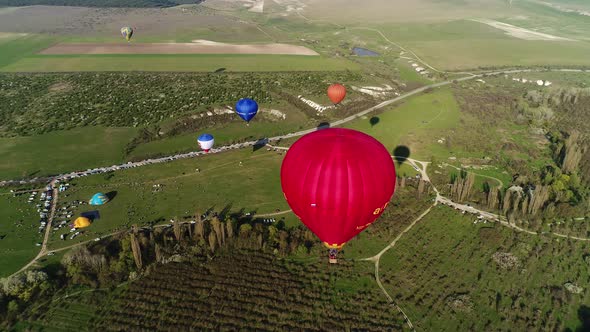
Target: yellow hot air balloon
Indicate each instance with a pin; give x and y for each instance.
(81, 222)
(127, 32)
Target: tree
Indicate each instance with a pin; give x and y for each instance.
(230, 229)
(212, 241)
(177, 229)
(199, 227)
(135, 248)
(216, 225)
(245, 230)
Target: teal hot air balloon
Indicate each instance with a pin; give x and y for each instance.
(98, 199)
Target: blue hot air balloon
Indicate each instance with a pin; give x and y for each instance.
(246, 109)
(206, 142)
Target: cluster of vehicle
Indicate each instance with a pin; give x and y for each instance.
(44, 207)
(75, 233)
(65, 213)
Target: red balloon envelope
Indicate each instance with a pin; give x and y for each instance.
(336, 93)
(338, 182)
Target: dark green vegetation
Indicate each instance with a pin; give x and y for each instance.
(98, 3)
(220, 272)
(251, 290)
(35, 104)
(528, 162)
(452, 275)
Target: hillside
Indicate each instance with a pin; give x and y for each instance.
(98, 3)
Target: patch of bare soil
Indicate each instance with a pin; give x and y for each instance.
(177, 48)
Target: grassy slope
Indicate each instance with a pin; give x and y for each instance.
(221, 182)
(205, 63)
(62, 151)
(415, 123)
(224, 134)
(18, 245)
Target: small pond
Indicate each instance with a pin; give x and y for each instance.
(364, 52)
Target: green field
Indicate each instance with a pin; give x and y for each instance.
(454, 55)
(446, 255)
(416, 123)
(62, 151)
(13, 48)
(221, 182)
(180, 62)
(465, 44)
(19, 232)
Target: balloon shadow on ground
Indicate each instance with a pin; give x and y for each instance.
(401, 153)
(323, 125)
(219, 70)
(374, 120)
(111, 195)
(259, 144)
(584, 316)
(92, 215)
(225, 211)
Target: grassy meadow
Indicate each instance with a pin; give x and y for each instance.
(416, 123)
(14, 47)
(18, 232)
(62, 151)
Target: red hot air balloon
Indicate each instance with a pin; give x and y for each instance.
(336, 93)
(338, 182)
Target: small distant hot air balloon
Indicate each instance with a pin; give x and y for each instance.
(338, 182)
(206, 142)
(336, 93)
(246, 109)
(127, 32)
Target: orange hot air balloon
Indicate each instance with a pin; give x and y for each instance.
(336, 93)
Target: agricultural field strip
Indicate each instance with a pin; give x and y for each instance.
(196, 47)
